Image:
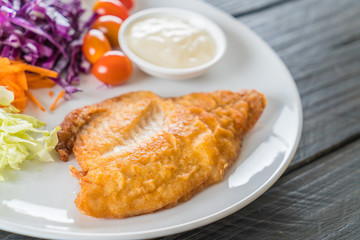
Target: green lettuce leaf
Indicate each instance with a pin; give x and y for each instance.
(6, 96)
(20, 136)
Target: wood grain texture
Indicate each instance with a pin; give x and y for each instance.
(13, 236)
(246, 7)
(318, 201)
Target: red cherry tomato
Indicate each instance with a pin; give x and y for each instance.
(113, 68)
(111, 7)
(128, 3)
(95, 45)
(110, 26)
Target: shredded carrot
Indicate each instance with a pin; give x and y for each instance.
(35, 69)
(41, 71)
(51, 93)
(19, 77)
(61, 95)
(16, 62)
(35, 81)
(20, 102)
(33, 98)
(11, 82)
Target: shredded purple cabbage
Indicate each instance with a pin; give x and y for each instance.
(46, 33)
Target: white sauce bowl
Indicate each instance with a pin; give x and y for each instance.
(197, 20)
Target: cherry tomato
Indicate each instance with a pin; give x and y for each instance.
(113, 68)
(111, 7)
(95, 45)
(128, 3)
(110, 26)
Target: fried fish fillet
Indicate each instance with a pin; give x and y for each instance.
(140, 153)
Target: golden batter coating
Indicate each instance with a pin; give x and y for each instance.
(140, 153)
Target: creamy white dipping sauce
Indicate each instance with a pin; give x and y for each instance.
(170, 42)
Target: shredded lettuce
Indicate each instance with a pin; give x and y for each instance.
(21, 137)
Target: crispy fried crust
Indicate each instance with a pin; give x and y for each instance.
(140, 153)
(69, 128)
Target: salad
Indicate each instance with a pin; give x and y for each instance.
(21, 137)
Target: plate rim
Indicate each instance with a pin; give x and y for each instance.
(57, 234)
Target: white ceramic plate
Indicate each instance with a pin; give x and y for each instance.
(38, 201)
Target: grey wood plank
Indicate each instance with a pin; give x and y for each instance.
(319, 42)
(246, 7)
(318, 201)
(13, 236)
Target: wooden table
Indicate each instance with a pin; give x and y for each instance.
(318, 197)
